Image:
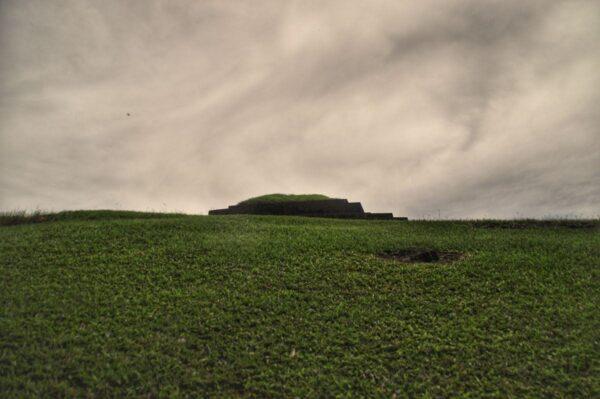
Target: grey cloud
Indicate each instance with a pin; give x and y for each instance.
(462, 107)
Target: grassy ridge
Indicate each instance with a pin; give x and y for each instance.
(22, 217)
(285, 306)
(285, 198)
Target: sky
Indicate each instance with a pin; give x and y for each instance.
(424, 108)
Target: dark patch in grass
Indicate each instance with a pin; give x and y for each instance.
(419, 255)
(535, 223)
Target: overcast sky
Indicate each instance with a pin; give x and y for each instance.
(425, 108)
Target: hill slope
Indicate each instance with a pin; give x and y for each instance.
(283, 306)
(15, 218)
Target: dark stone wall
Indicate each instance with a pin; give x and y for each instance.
(305, 208)
(336, 208)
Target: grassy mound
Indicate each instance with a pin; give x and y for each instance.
(285, 198)
(262, 306)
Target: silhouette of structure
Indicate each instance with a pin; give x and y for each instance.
(331, 208)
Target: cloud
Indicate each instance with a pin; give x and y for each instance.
(457, 108)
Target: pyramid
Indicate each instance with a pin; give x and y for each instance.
(330, 208)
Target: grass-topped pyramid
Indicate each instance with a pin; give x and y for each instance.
(285, 198)
(315, 205)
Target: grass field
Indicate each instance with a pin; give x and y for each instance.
(236, 306)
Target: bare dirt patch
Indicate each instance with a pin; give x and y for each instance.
(420, 255)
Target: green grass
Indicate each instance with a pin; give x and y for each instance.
(285, 198)
(262, 306)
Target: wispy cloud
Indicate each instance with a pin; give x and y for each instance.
(467, 108)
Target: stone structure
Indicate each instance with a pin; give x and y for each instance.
(332, 208)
